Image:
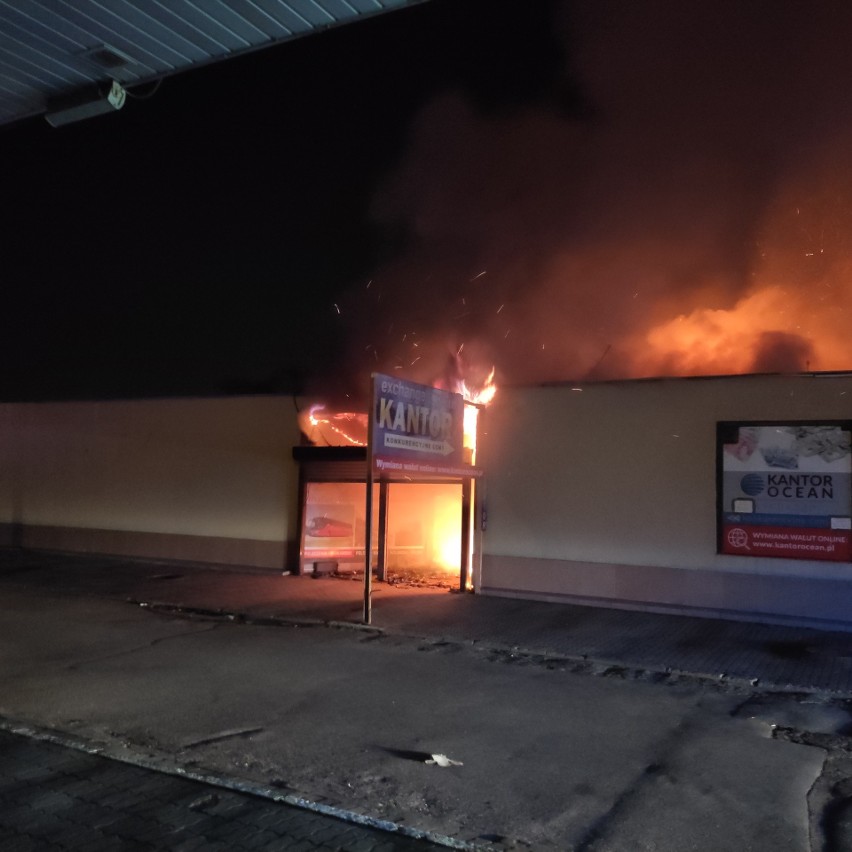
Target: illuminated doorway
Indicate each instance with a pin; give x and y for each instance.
(423, 541)
(424, 531)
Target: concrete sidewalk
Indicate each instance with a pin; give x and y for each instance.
(564, 728)
(773, 657)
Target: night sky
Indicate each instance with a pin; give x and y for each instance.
(567, 190)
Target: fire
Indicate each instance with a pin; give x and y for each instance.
(482, 395)
(435, 506)
(716, 341)
(447, 535)
(347, 428)
(475, 399)
(770, 330)
(793, 315)
(342, 428)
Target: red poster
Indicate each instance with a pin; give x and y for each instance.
(790, 542)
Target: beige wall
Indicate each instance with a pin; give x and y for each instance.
(179, 473)
(591, 493)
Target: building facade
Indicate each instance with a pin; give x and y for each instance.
(639, 494)
(202, 480)
(607, 494)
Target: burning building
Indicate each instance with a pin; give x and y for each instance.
(726, 496)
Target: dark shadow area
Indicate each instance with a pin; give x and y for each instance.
(789, 650)
(837, 824)
(407, 754)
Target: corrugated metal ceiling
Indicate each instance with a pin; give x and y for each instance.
(53, 49)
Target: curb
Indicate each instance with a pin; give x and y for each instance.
(160, 762)
(721, 679)
(235, 617)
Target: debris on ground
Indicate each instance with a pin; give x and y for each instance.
(443, 760)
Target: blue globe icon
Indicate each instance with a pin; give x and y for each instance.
(752, 484)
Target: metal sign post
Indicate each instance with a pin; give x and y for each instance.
(368, 532)
(368, 552)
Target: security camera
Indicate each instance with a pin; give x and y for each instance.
(85, 104)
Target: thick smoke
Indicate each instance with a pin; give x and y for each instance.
(777, 351)
(689, 216)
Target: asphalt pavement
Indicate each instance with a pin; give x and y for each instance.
(577, 728)
(778, 657)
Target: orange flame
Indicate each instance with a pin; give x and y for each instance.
(347, 428)
(728, 341)
(475, 399)
(339, 429)
(482, 395)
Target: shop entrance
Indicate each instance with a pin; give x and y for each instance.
(423, 541)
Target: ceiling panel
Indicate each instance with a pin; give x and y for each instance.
(51, 50)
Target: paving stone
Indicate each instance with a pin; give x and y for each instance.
(386, 847)
(325, 834)
(106, 844)
(18, 813)
(302, 846)
(51, 801)
(364, 845)
(261, 839)
(23, 844)
(133, 826)
(79, 837)
(36, 824)
(279, 818)
(189, 845)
